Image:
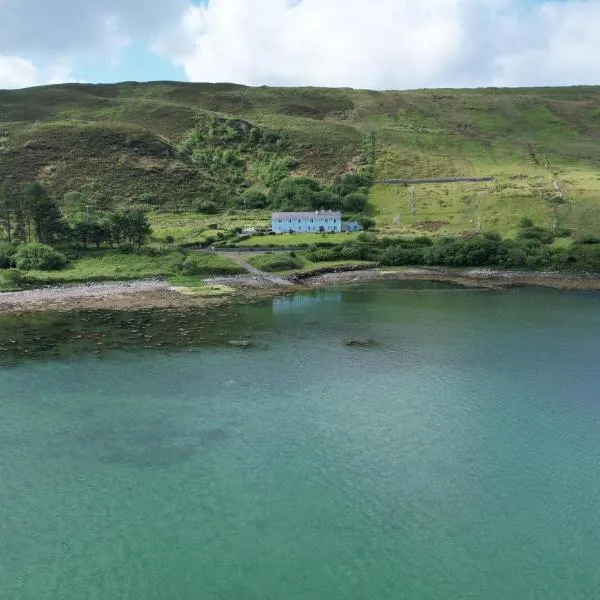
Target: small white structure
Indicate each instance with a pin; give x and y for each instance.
(307, 222)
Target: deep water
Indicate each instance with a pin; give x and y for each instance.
(452, 454)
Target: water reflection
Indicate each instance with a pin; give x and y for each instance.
(287, 304)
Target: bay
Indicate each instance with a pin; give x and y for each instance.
(450, 452)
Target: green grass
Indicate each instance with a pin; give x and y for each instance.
(111, 265)
(296, 239)
(276, 262)
(125, 136)
(191, 228)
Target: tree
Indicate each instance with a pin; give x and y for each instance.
(252, 198)
(6, 209)
(81, 232)
(296, 193)
(350, 183)
(74, 204)
(135, 226)
(355, 202)
(366, 223)
(42, 213)
(98, 233)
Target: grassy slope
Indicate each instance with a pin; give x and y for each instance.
(124, 136)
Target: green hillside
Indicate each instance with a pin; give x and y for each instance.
(133, 142)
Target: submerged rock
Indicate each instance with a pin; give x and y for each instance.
(360, 343)
(239, 343)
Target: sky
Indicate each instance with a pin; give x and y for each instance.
(376, 44)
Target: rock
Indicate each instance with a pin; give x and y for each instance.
(239, 343)
(360, 343)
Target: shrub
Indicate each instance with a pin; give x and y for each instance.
(252, 198)
(39, 257)
(169, 239)
(276, 262)
(148, 198)
(366, 238)
(525, 223)
(126, 248)
(147, 251)
(207, 207)
(6, 256)
(536, 233)
(588, 240)
(209, 264)
(351, 251)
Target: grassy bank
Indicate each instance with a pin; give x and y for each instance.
(112, 265)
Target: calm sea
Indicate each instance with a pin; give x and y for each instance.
(453, 455)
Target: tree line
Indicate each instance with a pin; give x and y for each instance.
(29, 213)
(532, 249)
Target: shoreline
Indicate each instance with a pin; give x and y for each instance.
(147, 294)
(471, 278)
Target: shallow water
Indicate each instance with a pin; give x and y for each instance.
(456, 456)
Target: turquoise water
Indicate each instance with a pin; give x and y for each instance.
(457, 457)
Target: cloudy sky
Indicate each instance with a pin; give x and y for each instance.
(381, 44)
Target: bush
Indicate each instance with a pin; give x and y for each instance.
(169, 239)
(276, 262)
(147, 251)
(209, 264)
(252, 198)
(588, 240)
(366, 238)
(526, 223)
(126, 248)
(536, 233)
(207, 207)
(39, 257)
(351, 251)
(6, 256)
(148, 198)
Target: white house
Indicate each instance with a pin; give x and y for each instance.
(306, 222)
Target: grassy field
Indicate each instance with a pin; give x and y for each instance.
(189, 227)
(296, 239)
(111, 265)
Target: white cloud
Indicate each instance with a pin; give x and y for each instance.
(389, 43)
(72, 27)
(16, 72)
(37, 35)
